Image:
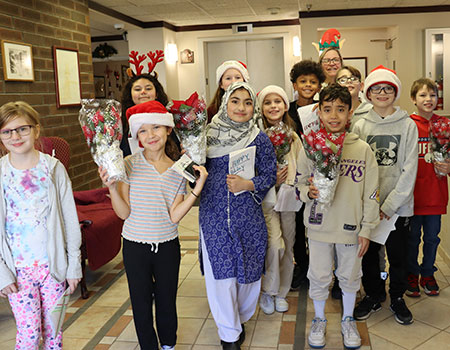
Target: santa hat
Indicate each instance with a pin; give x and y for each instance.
(238, 65)
(382, 75)
(151, 112)
(272, 89)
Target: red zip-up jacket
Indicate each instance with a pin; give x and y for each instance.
(431, 191)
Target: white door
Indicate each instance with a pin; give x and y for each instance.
(264, 59)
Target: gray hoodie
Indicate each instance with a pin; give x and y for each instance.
(393, 139)
(362, 110)
(64, 236)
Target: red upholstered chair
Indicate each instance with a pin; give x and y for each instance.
(100, 227)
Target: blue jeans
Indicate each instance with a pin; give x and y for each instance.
(431, 225)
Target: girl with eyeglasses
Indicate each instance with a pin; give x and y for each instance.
(350, 77)
(331, 62)
(39, 232)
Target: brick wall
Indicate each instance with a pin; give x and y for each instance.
(45, 24)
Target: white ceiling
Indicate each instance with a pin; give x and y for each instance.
(196, 12)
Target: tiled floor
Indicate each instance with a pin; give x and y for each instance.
(105, 322)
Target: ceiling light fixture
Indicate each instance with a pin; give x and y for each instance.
(274, 10)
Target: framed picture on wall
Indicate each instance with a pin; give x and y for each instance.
(17, 61)
(360, 63)
(187, 56)
(67, 77)
(100, 88)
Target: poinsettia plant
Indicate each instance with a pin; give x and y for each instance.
(102, 127)
(325, 150)
(190, 119)
(281, 137)
(440, 139)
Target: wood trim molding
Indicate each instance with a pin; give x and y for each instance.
(374, 11)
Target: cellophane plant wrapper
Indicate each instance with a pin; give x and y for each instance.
(190, 119)
(325, 150)
(281, 137)
(440, 139)
(102, 127)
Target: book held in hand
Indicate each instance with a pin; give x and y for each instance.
(242, 163)
(184, 167)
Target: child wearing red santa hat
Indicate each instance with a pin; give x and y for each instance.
(152, 202)
(393, 136)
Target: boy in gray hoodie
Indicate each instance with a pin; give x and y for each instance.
(393, 136)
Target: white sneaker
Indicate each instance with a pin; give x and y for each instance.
(281, 304)
(267, 304)
(316, 337)
(167, 347)
(352, 340)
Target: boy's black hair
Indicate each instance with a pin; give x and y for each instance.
(307, 67)
(333, 92)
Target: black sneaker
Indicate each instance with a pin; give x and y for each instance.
(365, 307)
(299, 277)
(336, 291)
(401, 311)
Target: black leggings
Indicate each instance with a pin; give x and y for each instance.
(149, 274)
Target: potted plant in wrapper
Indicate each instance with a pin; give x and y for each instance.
(440, 139)
(102, 128)
(190, 119)
(325, 150)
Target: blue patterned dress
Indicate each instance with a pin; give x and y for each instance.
(237, 248)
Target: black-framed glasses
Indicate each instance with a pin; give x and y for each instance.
(345, 80)
(331, 60)
(388, 89)
(22, 130)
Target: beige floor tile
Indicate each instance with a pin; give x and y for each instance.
(291, 318)
(73, 343)
(205, 347)
(258, 348)
(249, 332)
(189, 259)
(266, 334)
(196, 307)
(124, 345)
(189, 244)
(184, 271)
(128, 334)
(432, 312)
(188, 330)
(411, 335)
(195, 273)
(276, 316)
(285, 347)
(7, 329)
(440, 341)
(444, 296)
(8, 344)
(379, 343)
(192, 288)
(108, 340)
(378, 316)
(90, 322)
(116, 295)
(208, 334)
(181, 347)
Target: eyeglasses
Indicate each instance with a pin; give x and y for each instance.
(345, 80)
(23, 130)
(331, 60)
(387, 89)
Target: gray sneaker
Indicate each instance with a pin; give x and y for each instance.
(267, 303)
(352, 340)
(316, 337)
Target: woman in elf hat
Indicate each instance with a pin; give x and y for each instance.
(226, 74)
(233, 233)
(331, 61)
(151, 201)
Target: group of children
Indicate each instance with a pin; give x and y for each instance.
(246, 249)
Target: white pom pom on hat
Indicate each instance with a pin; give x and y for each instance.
(151, 112)
(273, 89)
(382, 75)
(238, 65)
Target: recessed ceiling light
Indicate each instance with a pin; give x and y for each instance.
(274, 10)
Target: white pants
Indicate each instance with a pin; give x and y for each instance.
(321, 258)
(231, 303)
(280, 252)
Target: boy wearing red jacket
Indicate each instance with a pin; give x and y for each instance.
(430, 196)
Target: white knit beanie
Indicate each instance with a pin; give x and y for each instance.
(273, 89)
(382, 75)
(241, 67)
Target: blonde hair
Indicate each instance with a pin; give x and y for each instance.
(328, 50)
(12, 110)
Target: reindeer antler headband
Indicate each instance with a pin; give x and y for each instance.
(136, 59)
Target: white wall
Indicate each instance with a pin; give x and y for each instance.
(408, 50)
(191, 76)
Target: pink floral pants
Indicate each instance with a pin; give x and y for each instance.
(31, 305)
